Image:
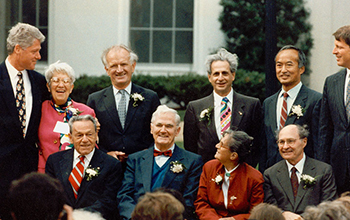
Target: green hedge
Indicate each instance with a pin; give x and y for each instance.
(181, 89)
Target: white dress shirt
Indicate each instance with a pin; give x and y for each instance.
(217, 109)
(87, 159)
(162, 159)
(299, 166)
(118, 96)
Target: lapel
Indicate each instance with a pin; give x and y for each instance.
(146, 164)
(169, 176)
(270, 111)
(300, 100)
(284, 180)
(339, 84)
(36, 106)
(66, 166)
(211, 127)
(131, 108)
(237, 111)
(110, 105)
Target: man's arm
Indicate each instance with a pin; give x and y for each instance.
(268, 193)
(329, 189)
(191, 131)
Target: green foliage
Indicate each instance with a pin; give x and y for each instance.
(243, 23)
(181, 89)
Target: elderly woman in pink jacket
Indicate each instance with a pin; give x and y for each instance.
(55, 113)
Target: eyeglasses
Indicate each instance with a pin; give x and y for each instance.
(289, 142)
(222, 146)
(56, 80)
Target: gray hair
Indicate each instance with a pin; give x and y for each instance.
(133, 55)
(327, 211)
(23, 35)
(81, 118)
(222, 55)
(301, 55)
(61, 68)
(303, 131)
(162, 109)
(239, 142)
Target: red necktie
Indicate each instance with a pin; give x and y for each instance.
(76, 176)
(294, 181)
(283, 111)
(167, 153)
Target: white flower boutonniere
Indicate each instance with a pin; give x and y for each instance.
(218, 179)
(308, 180)
(177, 167)
(91, 172)
(74, 111)
(206, 114)
(136, 97)
(297, 110)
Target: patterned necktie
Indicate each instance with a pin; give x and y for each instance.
(76, 176)
(283, 111)
(21, 102)
(167, 153)
(122, 107)
(348, 101)
(225, 115)
(294, 182)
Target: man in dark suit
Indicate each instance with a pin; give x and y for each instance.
(205, 118)
(95, 186)
(335, 114)
(124, 109)
(302, 103)
(19, 125)
(298, 180)
(162, 165)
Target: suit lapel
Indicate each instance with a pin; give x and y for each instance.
(36, 106)
(131, 108)
(146, 168)
(66, 166)
(271, 107)
(111, 108)
(284, 180)
(300, 100)
(339, 85)
(237, 111)
(169, 175)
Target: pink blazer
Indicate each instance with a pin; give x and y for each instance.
(49, 141)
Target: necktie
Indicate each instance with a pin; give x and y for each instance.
(225, 115)
(294, 182)
(283, 111)
(348, 101)
(21, 102)
(167, 153)
(76, 176)
(122, 107)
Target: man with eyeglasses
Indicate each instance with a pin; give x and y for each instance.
(297, 181)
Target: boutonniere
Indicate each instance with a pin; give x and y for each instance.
(218, 179)
(73, 112)
(177, 167)
(308, 180)
(297, 110)
(92, 172)
(206, 114)
(136, 97)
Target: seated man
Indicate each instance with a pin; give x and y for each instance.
(90, 177)
(297, 181)
(162, 165)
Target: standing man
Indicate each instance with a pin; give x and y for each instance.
(22, 90)
(335, 114)
(164, 164)
(207, 118)
(90, 177)
(293, 104)
(124, 109)
(297, 181)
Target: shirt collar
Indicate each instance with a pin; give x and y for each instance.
(12, 70)
(293, 92)
(88, 156)
(218, 98)
(127, 89)
(172, 148)
(299, 166)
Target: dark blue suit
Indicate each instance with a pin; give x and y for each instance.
(136, 134)
(309, 100)
(99, 194)
(138, 177)
(18, 155)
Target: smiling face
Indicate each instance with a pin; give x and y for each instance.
(119, 68)
(290, 145)
(26, 58)
(83, 136)
(164, 130)
(223, 152)
(60, 87)
(287, 69)
(342, 53)
(221, 77)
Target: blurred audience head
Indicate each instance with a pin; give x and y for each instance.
(327, 211)
(265, 211)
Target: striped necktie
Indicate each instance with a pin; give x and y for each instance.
(283, 111)
(225, 115)
(76, 176)
(21, 102)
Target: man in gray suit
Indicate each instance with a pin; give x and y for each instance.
(298, 180)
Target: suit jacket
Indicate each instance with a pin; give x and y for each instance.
(246, 191)
(278, 188)
(18, 155)
(138, 177)
(200, 135)
(99, 194)
(334, 127)
(136, 134)
(309, 100)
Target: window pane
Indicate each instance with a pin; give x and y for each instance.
(29, 12)
(140, 13)
(184, 13)
(140, 44)
(161, 47)
(43, 9)
(163, 11)
(183, 50)
(11, 13)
